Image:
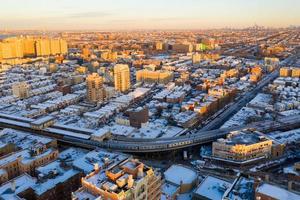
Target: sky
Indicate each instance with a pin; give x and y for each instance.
(146, 14)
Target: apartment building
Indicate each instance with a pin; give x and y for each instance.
(26, 161)
(147, 76)
(241, 146)
(129, 179)
(122, 77)
(95, 91)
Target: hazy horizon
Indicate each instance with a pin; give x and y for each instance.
(146, 15)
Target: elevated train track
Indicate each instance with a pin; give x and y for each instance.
(132, 145)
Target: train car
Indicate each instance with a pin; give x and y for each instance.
(73, 129)
(68, 133)
(15, 117)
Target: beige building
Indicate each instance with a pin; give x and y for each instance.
(158, 76)
(159, 46)
(54, 46)
(242, 146)
(42, 47)
(95, 90)
(25, 161)
(1, 51)
(108, 55)
(127, 180)
(46, 47)
(289, 72)
(29, 46)
(230, 73)
(11, 48)
(218, 91)
(20, 47)
(20, 90)
(63, 46)
(296, 72)
(6, 148)
(285, 71)
(196, 58)
(122, 77)
(183, 177)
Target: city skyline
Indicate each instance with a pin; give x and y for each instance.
(133, 14)
(150, 100)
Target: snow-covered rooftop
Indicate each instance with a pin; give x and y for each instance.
(276, 192)
(21, 139)
(179, 174)
(212, 188)
(22, 183)
(101, 157)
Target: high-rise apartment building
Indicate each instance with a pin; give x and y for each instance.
(20, 47)
(29, 46)
(54, 46)
(63, 46)
(20, 90)
(42, 47)
(95, 91)
(1, 54)
(122, 77)
(12, 48)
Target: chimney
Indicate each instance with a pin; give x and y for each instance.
(140, 173)
(96, 167)
(290, 185)
(256, 183)
(13, 185)
(130, 181)
(267, 178)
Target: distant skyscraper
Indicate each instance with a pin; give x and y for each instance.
(12, 48)
(54, 46)
(63, 46)
(20, 47)
(95, 91)
(122, 77)
(42, 47)
(1, 54)
(28, 46)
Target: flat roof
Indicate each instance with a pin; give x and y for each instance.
(276, 192)
(212, 188)
(42, 120)
(22, 182)
(179, 174)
